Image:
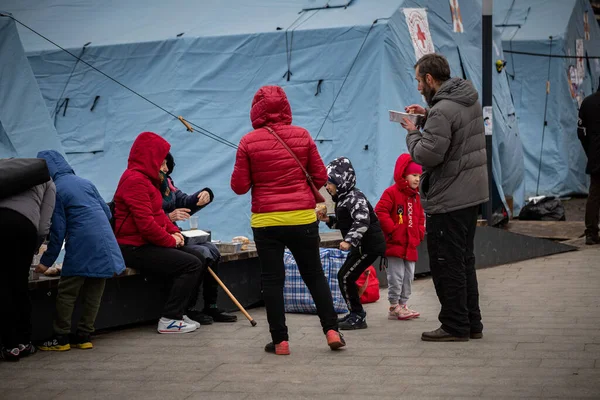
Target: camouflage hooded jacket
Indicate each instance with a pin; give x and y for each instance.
(354, 215)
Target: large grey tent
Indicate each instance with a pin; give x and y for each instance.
(552, 49)
(342, 67)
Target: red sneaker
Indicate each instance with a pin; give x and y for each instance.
(281, 349)
(335, 340)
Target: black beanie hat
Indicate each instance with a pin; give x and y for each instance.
(170, 163)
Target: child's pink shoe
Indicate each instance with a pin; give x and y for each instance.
(415, 314)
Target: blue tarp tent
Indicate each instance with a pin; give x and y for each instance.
(205, 60)
(554, 159)
(25, 125)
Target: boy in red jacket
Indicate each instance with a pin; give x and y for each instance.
(403, 222)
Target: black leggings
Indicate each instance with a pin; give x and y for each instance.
(303, 241)
(353, 267)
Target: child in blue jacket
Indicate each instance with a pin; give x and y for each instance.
(81, 219)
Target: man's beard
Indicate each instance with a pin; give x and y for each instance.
(428, 93)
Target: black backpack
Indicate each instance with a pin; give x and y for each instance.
(20, 174)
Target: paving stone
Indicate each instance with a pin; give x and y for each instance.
(29, 394)
(508, 391)
(448, 390)
(217, 396)
(565, 363)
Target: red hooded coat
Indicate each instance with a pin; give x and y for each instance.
(401, 215)
(139, 217)
(265, 166)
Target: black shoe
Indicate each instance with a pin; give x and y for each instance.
(9, 354)
(199, 317)
(591, 239)
(219, 315)
(343, 319)
(55, 343)
(81, 341)
(26, 350)
(476, 335)
(440, 335)
(354, 321)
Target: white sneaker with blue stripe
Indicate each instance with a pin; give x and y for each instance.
(166, 325)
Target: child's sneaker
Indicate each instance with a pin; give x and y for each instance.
(344, 318)
(403, 313)
(281, 349)
(56, 343)
(335, 340)
(415, 314)
(81, 341)
(354, 321)
(190, 321)
(394, 312)
(9, 354)
(166, 325)
(26, 350)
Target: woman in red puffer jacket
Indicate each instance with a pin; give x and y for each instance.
(149, 241)
(283, 210)
(403, 222)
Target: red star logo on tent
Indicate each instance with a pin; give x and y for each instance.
(421, 35)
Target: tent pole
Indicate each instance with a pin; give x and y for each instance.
(537, 189)
(487, 63)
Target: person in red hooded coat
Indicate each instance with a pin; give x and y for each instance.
(149, 241)
(283, 210)
(403, 222)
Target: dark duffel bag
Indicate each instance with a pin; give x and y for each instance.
(546, 209)
(19, 174)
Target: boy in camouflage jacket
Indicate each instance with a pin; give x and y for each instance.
(363, 237)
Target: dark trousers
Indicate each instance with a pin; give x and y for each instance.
(353, 267)
(592, 207)
(69, 289)
(450, 243)
(303, 241)
(209, 255)
(18, 239)
(180, 266)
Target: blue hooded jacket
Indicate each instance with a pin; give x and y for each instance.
(81, 218)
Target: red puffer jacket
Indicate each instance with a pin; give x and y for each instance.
(265, 166)
(139, 217)
(401, 215)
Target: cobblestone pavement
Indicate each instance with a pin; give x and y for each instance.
(542, 340)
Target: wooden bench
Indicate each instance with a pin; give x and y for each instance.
(133, 298)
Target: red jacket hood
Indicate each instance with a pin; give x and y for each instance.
(147, 154)
(269, 107)
(401, 164)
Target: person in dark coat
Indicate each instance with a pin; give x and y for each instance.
(179, 206)
(588, 131)
(24, 224)
(81, 219)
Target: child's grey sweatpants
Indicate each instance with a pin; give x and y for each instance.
(400, 274)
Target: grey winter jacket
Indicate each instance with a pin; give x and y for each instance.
(36, 204)
(451, 150)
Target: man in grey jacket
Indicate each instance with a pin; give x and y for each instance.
(451, 150)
